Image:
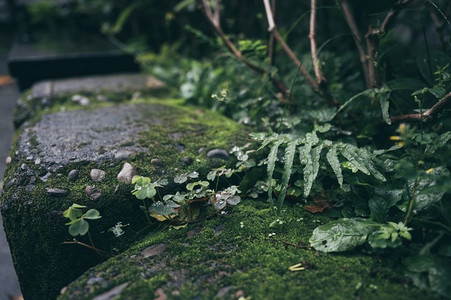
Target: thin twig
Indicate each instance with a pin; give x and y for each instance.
(427, 115)
(271, 43)
(77, 242)
(214, 18)
(372, 41)
(294, 245)
(321, 90)
(393, 12)
(357, 39)
(312, 34)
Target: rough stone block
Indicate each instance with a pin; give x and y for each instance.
(40, 182)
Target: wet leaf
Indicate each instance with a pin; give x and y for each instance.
(341, 235)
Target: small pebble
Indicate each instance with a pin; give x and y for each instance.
(57, 192)
(83, 101)
(97, 175)
(93, 192)
(127, 173)
(73, 175)
(153, 250)
(46, 176)
(187, 160)
(156, 162)
(123, 154)
(218, 153)
(8, 160)
(200, 150)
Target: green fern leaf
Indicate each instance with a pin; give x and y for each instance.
(367, 158)
(385, 105)
(272, 157)
(334, 163)
(316, 155)
(288, 158)
(306, 158)
(351, 154)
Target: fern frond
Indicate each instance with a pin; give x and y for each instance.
(367, 158)
(334, 163)
(272, 158)
(350, 153)
(287, 168)
(316, 155)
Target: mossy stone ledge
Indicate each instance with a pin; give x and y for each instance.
(40, 181)
(242, 254)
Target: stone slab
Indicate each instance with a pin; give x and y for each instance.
(48, 148)
(93, 135)
(112, 83)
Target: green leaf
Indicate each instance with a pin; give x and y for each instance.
(92, 214)
(141, 194)
(79, 228)
(73, 212)
(425, 195)
(287, 168)
(334, 163)
(428, 66)
(405, 84)
(440, 277)
(341, 235)
(272, 158)
(350, 153)
(364, 93)
(379, 209)
(437, 91)
(385, 105)
(161, 209)
(180, 178)
(390, 196)
(234, 200)
(311, 157)
(438, 143)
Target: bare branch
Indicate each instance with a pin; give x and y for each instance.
(214, 18)
(319, 75)
(269, 15)
(271, 42)
(427, 115)
(319, 89)
(393, 12)
(285, 47)
(357, 39)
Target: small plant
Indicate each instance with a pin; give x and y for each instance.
(79, 226)
(184, 206)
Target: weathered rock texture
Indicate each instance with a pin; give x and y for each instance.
(51, 146)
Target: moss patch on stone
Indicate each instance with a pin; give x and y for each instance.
(244, 254)
(33, 218)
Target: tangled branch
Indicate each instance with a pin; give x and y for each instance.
(213, 16)
(321, 88)
(427, 115)
(368, 57)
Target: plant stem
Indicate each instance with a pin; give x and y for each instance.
(411, 202)
(77, 242)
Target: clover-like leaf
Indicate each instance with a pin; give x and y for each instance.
(92, 214)
(80, 227)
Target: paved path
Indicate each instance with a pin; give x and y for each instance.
(9, 286)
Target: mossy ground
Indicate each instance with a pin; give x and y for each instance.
(240, 254)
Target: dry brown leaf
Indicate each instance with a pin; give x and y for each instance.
(319, 205)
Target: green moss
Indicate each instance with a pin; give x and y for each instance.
(237, 254)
